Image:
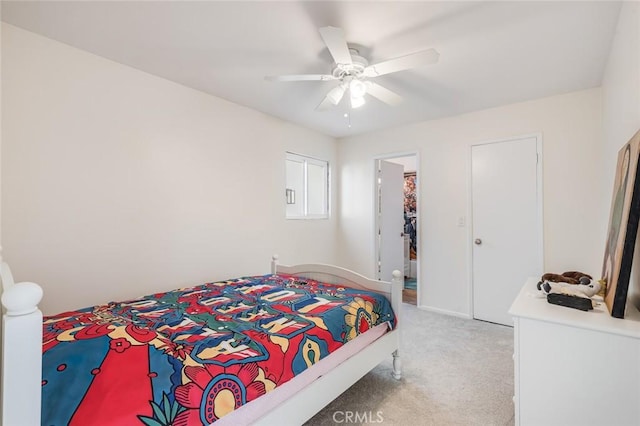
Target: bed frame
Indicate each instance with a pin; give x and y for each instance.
(22, 348)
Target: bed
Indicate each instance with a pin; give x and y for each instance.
(317, 380)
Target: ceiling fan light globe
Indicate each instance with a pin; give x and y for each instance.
(357, 88)
(357, 101)
(335, 95)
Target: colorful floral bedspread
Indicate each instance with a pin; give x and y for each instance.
(190, 356)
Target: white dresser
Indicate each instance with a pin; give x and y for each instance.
(574, 367)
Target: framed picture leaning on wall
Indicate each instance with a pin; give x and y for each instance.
(623, 226)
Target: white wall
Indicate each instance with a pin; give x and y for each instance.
(573, 229)
(621, 107)
(117, 183)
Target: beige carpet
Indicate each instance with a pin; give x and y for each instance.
(455, 372)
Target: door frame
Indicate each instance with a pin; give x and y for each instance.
(376, 249)
(539, 201)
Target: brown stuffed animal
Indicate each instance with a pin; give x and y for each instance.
(571, 277)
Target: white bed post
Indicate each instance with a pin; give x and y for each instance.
(397, 283)
(274, 263)
(21, 351)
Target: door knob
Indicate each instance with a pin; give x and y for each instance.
(477, 241)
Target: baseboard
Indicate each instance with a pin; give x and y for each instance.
(445, 312)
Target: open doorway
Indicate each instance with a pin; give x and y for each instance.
(410, 226)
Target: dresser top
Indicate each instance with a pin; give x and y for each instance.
(532, 304)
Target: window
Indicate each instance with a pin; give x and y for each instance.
(307, 191)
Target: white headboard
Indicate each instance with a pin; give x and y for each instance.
(5, 276)
(21, 346)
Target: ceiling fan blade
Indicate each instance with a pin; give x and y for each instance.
(337, 44)
(383, 94)
(418, 59)
(301, 77)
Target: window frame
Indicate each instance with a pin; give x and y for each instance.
(304, 197)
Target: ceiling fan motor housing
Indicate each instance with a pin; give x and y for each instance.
(354, 69)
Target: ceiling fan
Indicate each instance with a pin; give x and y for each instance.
(353, 72)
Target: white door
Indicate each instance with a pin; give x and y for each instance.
(507, 241)
(390, 219)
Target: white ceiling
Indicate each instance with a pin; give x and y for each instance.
(491, 53)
